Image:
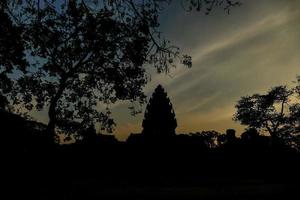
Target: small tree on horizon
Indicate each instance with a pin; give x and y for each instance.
(159, 117)
(275, 112)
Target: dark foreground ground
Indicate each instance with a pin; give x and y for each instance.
(89, 189)
(173, 168)
(135, 172)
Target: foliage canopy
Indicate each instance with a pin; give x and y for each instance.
(74, 55)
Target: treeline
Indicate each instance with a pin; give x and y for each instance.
(42, 168)
(20, 133)
(152, 157)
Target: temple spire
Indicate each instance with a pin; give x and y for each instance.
(159, 119)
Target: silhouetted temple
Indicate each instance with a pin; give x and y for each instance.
(159, 119)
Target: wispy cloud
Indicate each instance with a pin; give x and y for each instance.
(241, 54)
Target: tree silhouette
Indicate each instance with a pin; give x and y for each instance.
(250, 134)
(82, 56)
(12, 56)
(208, 138)
(159, 117)
(86, 53)
(274, 112)
(208, 5)
(254, 142)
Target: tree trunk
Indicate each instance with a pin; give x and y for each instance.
(52, 110)
(52, 118)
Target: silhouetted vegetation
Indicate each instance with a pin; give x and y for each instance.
(275, 112)
(66, 57)
(11, 52)
(107, 166)
(164, 160)
(83, 53)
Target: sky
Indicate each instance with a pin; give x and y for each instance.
(252, 49)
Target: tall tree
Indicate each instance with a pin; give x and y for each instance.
(159, 117)
(85, 53)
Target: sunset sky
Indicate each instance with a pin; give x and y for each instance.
(254, 48)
